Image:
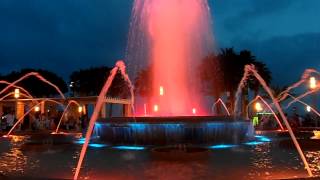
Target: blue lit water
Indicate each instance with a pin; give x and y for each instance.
(204, 133)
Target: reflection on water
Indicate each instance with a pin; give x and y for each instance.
(314, 160)
(13, 161)
(261, 158)
(262, 161)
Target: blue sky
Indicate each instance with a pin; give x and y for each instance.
(65, 35)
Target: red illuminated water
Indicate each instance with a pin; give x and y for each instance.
(251, 70)
(64, 113)
(25, 114)
(120, 66)
(269, 107)
(223, 105)
(171, 37)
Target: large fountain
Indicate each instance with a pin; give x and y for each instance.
(170, 37)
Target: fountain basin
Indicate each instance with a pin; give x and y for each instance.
(180, 153)
(52, 138)
(201, 130)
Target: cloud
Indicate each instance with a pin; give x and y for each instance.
(287, 56)
(252, 10)
(62, 35)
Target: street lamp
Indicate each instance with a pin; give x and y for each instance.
(258, 107)
(308, 109)
(313, 82)
(16, 93)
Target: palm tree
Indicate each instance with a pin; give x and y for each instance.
(230, 71)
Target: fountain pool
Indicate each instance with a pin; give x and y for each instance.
(259, 158)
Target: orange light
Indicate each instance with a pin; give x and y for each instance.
(80, 109)
(155, 108)
(37, 109)
(161, 91)
(194, 111)
(313, 83)
(16, 93)
(258, 107)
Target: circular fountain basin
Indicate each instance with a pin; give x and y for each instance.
(194, 130)
(180, 153)
(52, 138)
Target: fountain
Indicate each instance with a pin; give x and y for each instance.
(250, 69)
(269, 107)
(223, 105)
(170, 37)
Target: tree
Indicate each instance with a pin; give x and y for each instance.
(89, 82)
(143, 82)
(223, 73)
(36, 87)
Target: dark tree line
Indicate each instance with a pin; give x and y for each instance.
(89, 82)
(223, 72)
(218, 73)
(35, 86)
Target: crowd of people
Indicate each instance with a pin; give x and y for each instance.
(39, 121)
(295, 120)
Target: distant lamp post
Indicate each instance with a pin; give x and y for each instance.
(16, 93)
(258, 107)
(308, 109)
(72, 84)
(313, 83)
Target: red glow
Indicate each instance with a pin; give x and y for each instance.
(194, 111)
(173, 28)
(155, 108)
(161, 91)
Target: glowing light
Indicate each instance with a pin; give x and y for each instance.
(316, 135)
(135, 148)
(155, 108)
(222, 146)
(308, 109)
(16, 93)
(97, 145)
(37, 109)
(258, 107)
(80, 109)
(253, 143)
(194, 111)
(161, 91)
(263, 138)
(313, 83)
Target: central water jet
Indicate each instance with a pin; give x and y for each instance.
(171, 37)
